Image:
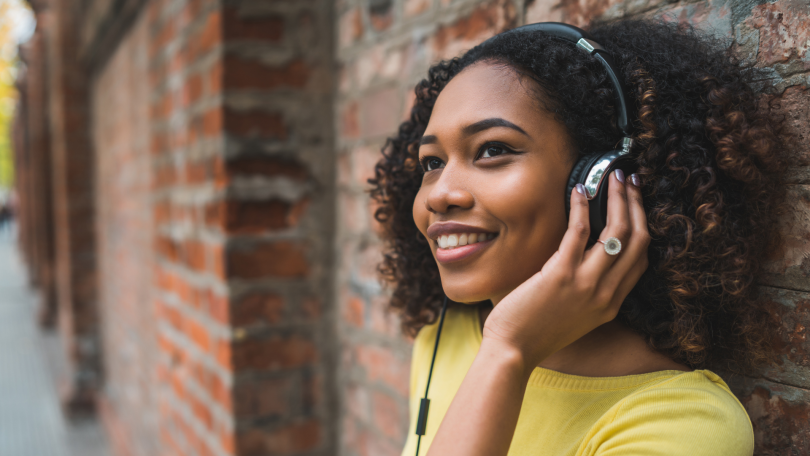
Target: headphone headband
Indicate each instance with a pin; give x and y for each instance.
(584, 42)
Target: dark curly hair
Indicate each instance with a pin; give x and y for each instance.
(709, 151)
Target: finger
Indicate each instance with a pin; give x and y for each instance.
(636, 249)
(618, 225)
(575, 239)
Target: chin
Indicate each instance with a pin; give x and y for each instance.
(468, 291)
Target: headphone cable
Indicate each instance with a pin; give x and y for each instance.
(424, 405)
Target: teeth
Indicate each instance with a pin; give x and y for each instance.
(449, 241)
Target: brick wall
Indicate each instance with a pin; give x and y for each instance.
(385, 47)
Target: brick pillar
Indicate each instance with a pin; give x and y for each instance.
(73, 204)
(34, 190)
(243, 211)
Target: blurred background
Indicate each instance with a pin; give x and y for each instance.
(187, 253)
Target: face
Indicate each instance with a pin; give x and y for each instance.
(491, 202)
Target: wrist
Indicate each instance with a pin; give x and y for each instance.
(505, 358)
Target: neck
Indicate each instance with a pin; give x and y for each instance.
(611, 350)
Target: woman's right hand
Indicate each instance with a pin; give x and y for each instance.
(577, 290)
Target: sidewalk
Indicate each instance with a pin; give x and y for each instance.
(31, 423)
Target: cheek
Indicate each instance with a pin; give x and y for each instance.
(420, 212)
(532, 211)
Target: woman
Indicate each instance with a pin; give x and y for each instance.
(554, 344)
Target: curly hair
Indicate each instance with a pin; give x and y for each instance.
(709, 152)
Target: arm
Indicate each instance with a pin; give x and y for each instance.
(575, 292)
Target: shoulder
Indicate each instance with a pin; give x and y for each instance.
(691, 413)
(461, 327)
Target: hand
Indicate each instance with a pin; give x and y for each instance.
(577, 290)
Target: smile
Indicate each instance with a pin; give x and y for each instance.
(451, 241)
(456, 247)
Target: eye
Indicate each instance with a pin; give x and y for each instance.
(431, 163)
(491, 150)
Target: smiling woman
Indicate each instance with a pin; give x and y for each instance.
(590, 349)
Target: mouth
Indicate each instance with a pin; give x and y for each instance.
(458, 246)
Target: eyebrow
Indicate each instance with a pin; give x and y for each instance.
(477, 127)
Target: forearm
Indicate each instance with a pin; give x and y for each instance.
(481, 419)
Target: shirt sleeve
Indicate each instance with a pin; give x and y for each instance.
(675, 421)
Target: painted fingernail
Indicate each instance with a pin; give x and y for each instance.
(581, 190)
(619, 175)
(636, 180)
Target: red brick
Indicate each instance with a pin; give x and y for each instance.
(416, 7)
(212, 122)
(789, 267)
(311, 308)
(382, 365)
(381, 16)
(271, 259)
(485, 21)
(253, 217)
(249, 74)
(267, 28)
(293, 438)
(783, 31)
(266, 399)
(193, 89)
(206, 170)
(779, 413)
(353, 310)
(387, 416)
(350, 121)
(268, 167)
(171, 315)
(209, 36)
(167, 248)
(218, 307)
(194, 255)
(256, 123)
(266, 308)
(198, 334)
(379, 113)
(274, 353)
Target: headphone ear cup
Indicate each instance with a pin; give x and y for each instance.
(577, 176)
(597, 213)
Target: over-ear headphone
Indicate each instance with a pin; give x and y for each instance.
(593, 169)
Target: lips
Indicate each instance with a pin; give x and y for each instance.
(456, 241)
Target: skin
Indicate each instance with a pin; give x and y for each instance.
(555, 301)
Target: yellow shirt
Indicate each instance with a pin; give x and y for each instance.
(662, 413)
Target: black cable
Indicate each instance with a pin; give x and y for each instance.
(424, 405)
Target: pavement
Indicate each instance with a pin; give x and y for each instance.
(31, 421)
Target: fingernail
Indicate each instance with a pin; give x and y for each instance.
(619, 175)
(636, 180)
(581, 190)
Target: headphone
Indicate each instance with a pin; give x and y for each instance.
(592, 170)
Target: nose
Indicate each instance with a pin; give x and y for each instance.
(449, 192)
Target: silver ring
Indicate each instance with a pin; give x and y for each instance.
(612, 245)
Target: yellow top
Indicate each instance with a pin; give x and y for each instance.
(657, 414)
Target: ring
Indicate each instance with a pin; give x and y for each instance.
(612, 246)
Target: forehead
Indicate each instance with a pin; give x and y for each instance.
(485, 90)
